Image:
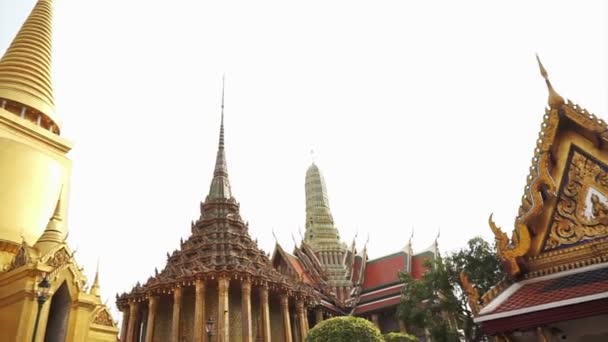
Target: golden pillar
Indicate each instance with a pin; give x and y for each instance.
(125, 324)
(375, 320)
(318, 315)
(223, 334)
(152, 303)
(199, 312)
(301, 318)
(265, 313)
(133, 310)
(285, 314)
(177, 307)
(246, 310)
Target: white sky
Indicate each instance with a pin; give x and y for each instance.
(421, 114)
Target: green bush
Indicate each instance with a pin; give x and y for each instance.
(345, 329)
(399, 337)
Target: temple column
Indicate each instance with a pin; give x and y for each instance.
(125, 324)
(177, 307)
(265, 312)
(301, 318)
(375, 320)
(543, 334)
(246, 310)
(152, 303)
(199, 311)
(285, 314)
(318, 315)
(133, 307)
(223, 332)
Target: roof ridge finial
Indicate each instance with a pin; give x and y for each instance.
(555, 100)
(95, 287)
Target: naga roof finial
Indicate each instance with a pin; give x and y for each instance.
(555, 100)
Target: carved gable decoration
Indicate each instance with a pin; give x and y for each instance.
(60, 258)
(581, 212)
(103, 318)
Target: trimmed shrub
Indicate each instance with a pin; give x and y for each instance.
(399, 337)
(345, 329)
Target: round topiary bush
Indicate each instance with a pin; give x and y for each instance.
(399, 337)
(345, 329)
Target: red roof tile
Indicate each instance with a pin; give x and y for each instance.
(383, 271)
(552, 290)
(418, 267)
(379, 304)
(295, 262)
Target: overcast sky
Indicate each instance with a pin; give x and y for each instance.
(421, 114)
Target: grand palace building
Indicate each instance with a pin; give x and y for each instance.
(219, 285)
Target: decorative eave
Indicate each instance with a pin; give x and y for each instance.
(515, 252)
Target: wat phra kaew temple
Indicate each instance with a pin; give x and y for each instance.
(556, 261)
(557, 258)
(44, 294)
(220, 273)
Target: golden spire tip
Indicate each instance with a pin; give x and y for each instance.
(555, 100)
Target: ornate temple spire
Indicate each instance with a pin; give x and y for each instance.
(95, 287)
(55, 232)
(320, 229)
(220, 185)
(25, 68)
(555, 100)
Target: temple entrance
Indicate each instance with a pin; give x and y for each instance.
(57, 323)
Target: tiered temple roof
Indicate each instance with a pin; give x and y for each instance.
(219, 246)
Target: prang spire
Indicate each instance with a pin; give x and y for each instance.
(220, 185)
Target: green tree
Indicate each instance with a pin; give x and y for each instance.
(428, 303)
(399, 337)
(483, 268)
(437, 301)
(345, 329)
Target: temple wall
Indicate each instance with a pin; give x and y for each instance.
(162, 322)
(187, 315)
(255, 313)
(276, 322)
(235, 315)
(211, 301)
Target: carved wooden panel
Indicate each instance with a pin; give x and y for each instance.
(581, 213)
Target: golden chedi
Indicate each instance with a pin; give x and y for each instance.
(44, 295)
(32, 154)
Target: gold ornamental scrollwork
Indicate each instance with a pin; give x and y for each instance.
(509, 250)
(581, 211)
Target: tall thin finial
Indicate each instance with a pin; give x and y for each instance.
(222, 120)
(95, 287)
(312, 156)
(555, 100)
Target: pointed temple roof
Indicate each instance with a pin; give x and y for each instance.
(557, 257)
(95, 289)
(55, 232)
(219, 246)
(320, 230)
(25, 68)
(220, 185)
